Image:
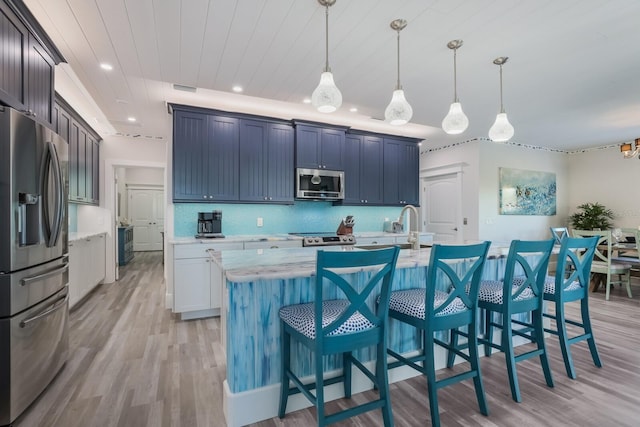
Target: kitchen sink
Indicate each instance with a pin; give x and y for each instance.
(402, 246)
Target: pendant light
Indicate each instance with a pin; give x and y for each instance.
(326, 97)
(501, 131)
(398, 112)
(456, 121)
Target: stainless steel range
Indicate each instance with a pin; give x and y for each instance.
(326, 239)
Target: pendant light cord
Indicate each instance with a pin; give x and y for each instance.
(455, 76)
(326, 50)
(501, 106)
(398, 86)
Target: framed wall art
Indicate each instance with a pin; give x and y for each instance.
(524, 192)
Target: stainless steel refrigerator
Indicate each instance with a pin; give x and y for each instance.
(34, 307)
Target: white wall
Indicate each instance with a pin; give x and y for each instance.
(605, 176)
(504, 228)
(467, 155)
(144, 176)
(481, 161)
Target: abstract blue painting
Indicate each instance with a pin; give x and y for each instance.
(524, 192)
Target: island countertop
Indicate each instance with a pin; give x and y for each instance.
(184, 240)
(261, 264)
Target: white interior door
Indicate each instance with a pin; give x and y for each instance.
(442, 207)
(147, 217)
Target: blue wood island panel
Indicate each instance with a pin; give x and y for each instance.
(253, 325)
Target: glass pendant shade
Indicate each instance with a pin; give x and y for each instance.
(456, 121)
(501, 131)
(326, 97)
(398, 112)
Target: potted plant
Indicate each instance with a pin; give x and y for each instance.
(592, 216)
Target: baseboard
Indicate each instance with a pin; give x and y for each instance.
(264, 401)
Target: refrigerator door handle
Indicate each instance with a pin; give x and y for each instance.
(61, 302)
(51, 162)
(53, 272)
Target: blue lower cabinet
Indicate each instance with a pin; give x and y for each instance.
(125, 245)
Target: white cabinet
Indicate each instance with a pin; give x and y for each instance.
(382, 240)
(193, 291)
(273, 244)
(425, 238)
(194, 287)
(86, 266)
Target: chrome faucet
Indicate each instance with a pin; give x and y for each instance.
(414, 237)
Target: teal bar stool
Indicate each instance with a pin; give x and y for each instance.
(340, 326)
(520, 292)
(449, 301)
(571, 283)
(558, 234)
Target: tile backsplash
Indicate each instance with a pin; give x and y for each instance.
(303, 216)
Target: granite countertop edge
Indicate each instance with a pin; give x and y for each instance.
(74, 236)
(185, 240)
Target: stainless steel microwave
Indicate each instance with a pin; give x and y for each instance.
(319, 184)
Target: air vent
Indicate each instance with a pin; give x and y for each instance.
(184, 88)
(135, 135)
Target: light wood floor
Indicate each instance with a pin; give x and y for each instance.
(133, 363)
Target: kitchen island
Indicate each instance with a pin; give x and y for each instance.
(257, 283)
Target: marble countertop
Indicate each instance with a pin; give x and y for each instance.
(259, 264)
(79, 235)
(276, 237)
(235, 238)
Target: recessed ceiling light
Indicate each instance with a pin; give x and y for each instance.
(307, 101)
(131, 119)
(106, 67)
(237, 88)
(353, 109)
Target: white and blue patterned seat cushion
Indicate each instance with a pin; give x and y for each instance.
(411, 303)
(491, 291)
(550, 285)
(301, 317)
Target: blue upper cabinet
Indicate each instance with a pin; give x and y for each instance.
(371, 178)
(363, 170)
(190, 140)
(253, 149)
(205, 157)
(27, 63)
(266, 158)
(231, 157)
(84, 153)
(223, 158)
(319, 147)
(401, 171)
(280, 168)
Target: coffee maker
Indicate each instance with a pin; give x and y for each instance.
(209, 224)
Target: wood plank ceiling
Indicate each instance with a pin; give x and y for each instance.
(571, 81)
